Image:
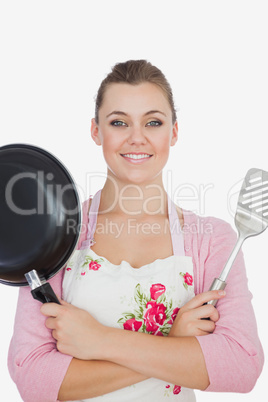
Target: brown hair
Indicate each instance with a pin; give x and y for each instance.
(135, 72)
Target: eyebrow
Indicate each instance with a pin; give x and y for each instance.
(119, 112)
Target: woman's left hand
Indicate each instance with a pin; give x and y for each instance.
(189, 320)
(77, 333)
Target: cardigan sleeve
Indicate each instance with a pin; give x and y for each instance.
(233, 353)
(34, 363)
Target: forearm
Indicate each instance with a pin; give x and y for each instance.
(172, 359)
(87, 379)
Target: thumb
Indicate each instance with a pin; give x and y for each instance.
(63, 302)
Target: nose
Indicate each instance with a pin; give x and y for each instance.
(136, 136)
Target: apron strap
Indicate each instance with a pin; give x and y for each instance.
(175, 229)
(93, 213)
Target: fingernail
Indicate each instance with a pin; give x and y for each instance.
(221, 293)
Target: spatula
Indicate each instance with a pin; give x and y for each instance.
(251, 218)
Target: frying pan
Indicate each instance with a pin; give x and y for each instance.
(40, 218)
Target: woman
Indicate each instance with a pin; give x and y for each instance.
(131, 321)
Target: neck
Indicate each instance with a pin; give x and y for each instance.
(133, 199)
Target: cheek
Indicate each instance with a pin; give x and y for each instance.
(108, 143)
(163, 144)
(110, 149)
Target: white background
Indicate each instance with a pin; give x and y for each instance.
(214, 53)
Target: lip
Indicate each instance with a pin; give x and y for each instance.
(136, 161)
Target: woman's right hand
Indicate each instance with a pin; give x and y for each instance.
(190, 318)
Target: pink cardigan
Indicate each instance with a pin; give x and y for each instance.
(233, 353)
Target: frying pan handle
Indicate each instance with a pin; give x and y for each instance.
(45, 294)
(41, 291)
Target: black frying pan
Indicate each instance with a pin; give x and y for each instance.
(40, 218)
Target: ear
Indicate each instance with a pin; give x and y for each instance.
(95, 132)
(174, 137)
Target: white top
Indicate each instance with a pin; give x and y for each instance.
(145, 299)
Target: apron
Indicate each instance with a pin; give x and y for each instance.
(145, 299)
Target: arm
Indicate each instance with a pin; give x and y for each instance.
(233, 353)
(233, 356)
(87, 378)
(41, 372)
(38, 368)
(34, 363)
(177, 360)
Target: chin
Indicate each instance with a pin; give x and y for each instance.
(141, 180)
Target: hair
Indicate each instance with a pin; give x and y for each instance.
(135, 72)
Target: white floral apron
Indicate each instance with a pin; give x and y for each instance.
(145, 299)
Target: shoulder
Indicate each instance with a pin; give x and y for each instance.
(206, 226)
(206, 236)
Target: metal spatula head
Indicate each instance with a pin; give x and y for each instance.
(252, 209)
(251, 218)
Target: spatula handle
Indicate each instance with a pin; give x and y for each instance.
(217, 284)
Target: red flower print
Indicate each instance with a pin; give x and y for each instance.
(68, 269)
(188, 279)
(83, 273)
(154, 316)
(176, 389)
(157, 290)
(168, 386)
(94, 265)
(174, 315)
(132, 325)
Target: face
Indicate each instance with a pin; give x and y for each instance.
(135, 131)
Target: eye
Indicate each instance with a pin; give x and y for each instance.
(118, 123)
(154, 123)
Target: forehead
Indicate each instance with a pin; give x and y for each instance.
(142, 97)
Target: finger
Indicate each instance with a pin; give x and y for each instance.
(205, 297)
(207, 311)
(206, 326)
(50, 309)
(51, 323)
(46, 306)
(63, 302)
(54, 334)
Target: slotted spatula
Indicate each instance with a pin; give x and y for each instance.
(251, 218)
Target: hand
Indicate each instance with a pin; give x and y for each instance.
(189, 318)
(77, 333)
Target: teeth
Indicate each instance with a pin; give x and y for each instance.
(134, 156)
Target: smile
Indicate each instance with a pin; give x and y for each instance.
(136, 156)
